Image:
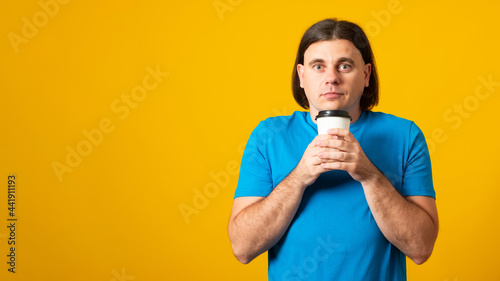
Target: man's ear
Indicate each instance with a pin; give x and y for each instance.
(368, 72)
(300, 72)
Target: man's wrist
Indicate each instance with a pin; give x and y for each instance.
(297, 180)
(375, 178)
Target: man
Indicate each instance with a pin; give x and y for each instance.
(347, 205)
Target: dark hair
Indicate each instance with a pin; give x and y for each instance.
(330, 29)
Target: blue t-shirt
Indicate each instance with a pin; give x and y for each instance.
(333, 235)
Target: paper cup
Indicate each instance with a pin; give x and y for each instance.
(329, 119)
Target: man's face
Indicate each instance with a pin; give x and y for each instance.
(334, 76)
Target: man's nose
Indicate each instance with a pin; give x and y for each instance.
(332, 76)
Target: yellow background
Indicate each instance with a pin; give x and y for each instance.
(116, 215)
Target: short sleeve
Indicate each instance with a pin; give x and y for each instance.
(255, 173)
(417, 174)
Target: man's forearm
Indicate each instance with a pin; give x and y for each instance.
(406, 225)
(259, 226)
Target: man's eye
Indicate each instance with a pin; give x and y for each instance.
(318, 67)
(344, 67)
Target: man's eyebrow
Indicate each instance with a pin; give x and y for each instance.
(346, 59)
(340, 60)
(317, 60)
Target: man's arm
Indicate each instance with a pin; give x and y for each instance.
(258, 223)
(410, 224)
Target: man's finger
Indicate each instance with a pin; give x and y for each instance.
(334, 166)
(338, 131)
(340, 145)
(345, 134)
(338, 156)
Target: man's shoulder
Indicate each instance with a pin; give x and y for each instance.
(295, 117)
(275, 127)
(392, 124)
(390, 119)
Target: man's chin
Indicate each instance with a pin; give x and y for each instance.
(336, 105)
(333, 107)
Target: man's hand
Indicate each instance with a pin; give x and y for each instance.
(311, 165)
(339, 150)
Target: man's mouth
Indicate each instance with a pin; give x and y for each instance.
(332, 94)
